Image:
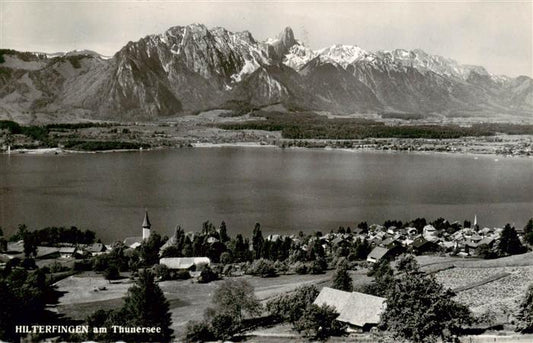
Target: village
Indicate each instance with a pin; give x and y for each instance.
(92, 275)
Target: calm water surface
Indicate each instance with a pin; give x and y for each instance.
(284, 190)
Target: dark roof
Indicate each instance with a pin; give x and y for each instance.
(377, 253)
(146, 221)
(419, 242)
(96, 247)
(486, 240)
(43, 252)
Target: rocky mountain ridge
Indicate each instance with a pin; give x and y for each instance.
(192, 68)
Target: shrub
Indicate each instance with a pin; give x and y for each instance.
(431, 309)
(162, 272)
(281, 267)
(207, 275)
(290, 307)
(182, 275)
(263, 268)
(300, 268)
(111, 272)
(319, 322)
(198, 332)
(225, 258)
(318, 266)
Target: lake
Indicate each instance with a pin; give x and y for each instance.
(284, 190)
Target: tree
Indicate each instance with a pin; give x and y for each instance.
(419, 309)
(146, 306)
(362, 249)
(341, 279)
(319, 322)
(19, 235)
(528, 231)
(363, 226)
(263, 268)
(171, 251)
(111, 273)
(290, 307)
(30, 245)
(257, 240)
(198, 332)
(223, 233)
(207, 275)
(149, 249)
(509, 242)
(525, 313)
(22, 299)
(236, 297)
(162, 272)
(383, 278)
(226, 258)
(232, 300)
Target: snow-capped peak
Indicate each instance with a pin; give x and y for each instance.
(424, 62)
(298, 56)
(343, 55)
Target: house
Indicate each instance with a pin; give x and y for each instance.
(184, 263)
(133, 242)
(430, 233)
(489, 241)
(379, 253)
(411, 231)
(421, 245)
(67, 252)
(47, 253)
(359, 310)
(95, 249)
(15, 247)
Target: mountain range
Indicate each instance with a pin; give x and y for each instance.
(191, 68)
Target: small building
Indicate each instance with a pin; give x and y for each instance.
(488, 241)
(359, 310)
(430, 233)
(421, 245)
(185, 263)
(379, 253)
(44, 253)
(95, 249)
(67, 252)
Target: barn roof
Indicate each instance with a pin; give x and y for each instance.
(354, 308)
(332, 297)
(377, 253)
(183, 262)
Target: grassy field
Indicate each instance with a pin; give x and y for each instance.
(85, 293)
(498, 299)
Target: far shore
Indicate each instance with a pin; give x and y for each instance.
(61, 151)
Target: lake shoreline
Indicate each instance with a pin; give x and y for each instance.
(262, 145)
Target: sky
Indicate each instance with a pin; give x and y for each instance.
(495, 34)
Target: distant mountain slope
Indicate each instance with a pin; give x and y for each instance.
(192, 68)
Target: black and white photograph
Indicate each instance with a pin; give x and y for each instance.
(266, 171)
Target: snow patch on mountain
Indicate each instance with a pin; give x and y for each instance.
(249, 67)
(298, 56)
(343, 55)
(424, 62)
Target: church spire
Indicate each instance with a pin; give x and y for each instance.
(146, 226)
(146, 221)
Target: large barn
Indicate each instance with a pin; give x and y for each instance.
(359, 310)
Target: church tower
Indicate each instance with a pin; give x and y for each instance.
(146, 226)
